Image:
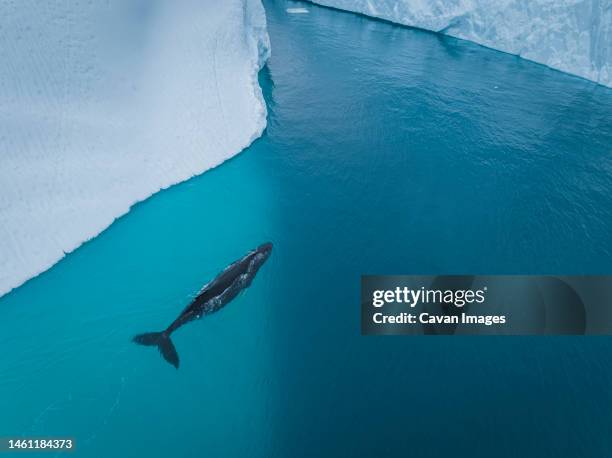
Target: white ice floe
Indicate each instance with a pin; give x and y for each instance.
(104, 103)
(574, 36)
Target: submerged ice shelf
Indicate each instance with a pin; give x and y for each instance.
(574, 36)
(103, 104)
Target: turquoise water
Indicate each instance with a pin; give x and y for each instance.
(388, 150)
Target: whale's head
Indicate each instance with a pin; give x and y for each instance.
(265, 249)
(261, 255)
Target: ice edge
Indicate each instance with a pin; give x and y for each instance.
(258, 42)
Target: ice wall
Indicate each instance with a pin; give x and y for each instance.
(104, 103)
(574, 36)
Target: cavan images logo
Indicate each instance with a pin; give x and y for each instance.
(472, 304)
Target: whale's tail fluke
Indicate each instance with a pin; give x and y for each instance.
(163, 343)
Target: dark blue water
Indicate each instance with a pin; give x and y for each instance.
(388, 150)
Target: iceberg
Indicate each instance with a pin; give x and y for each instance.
(574, 36)
(103, 104)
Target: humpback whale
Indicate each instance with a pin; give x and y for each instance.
(211, 298)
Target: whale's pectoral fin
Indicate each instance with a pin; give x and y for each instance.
(163, 343)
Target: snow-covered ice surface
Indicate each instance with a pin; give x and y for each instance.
(104, 103)
(574, 36)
